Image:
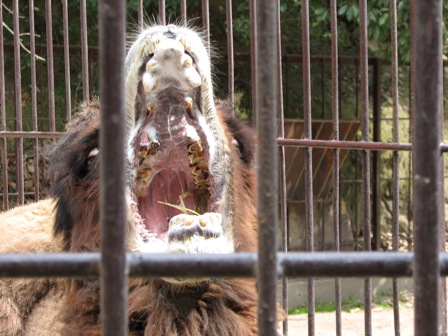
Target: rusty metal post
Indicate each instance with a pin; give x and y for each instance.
(68, 94)
(309, 218)
(18, 104)
(50, 66)
(267, 97)
(253, 57)
(395, 160)
(5, 201)
(84, 51)
(426, 164)
(114, 269)
(34, 99)
(282, 167)
(162, 12)
(336, 153)
(230, 51)
(206, 23)
(183, 12)
(366, 188)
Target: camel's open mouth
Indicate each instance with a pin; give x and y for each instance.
(174, 192)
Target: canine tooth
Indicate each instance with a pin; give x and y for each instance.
(188, 102)
(150, 84)
(150, 66)
(150, 106)
(143, 151)
(187, 62)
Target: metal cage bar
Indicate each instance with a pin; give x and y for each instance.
(112, 170)
(291, 264)
(68, 91)
(4, 143)
(50, 65)
(426, 164)
(309, 218)
(230, 54)
(162, 12)
(336, 154)
(366, 186)
(34, 101)
(84, 51)
(396, 160)
(18, 104)
(267, 208)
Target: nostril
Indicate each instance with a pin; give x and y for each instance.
(169, 34)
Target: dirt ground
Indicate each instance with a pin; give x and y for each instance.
(353, 323)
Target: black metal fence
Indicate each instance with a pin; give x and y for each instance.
(427, 265)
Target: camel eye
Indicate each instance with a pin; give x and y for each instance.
(92, 156)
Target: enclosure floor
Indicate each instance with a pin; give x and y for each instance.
(353, 323)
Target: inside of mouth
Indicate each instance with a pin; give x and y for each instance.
(172, 175)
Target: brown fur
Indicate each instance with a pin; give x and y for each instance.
(27, 229)
(217, 307)
(221, 307)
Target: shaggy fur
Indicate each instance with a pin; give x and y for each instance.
(71, 307)
(221, 307)
(169, 97)
(26, 229)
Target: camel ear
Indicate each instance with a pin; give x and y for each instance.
(242, 133)
(63, 224)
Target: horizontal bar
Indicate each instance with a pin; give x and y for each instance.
(346, 144)
(32, 134)
(280, 141)
(293, 264)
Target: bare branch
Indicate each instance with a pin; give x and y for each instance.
(21, 43)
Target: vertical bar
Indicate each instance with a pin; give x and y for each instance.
(68, 92)
(253, 56)
(84, 52)
(140, 14)
(112, 142)
(365, 157)
(282, 167)
(426, 161)
(442, 236)
(18, 103)
(267, 95)
(395, 160)
(336, 152)
(230, 63)
(50, 65)
(376, 156)
(442, 233)
(4, 146)
(206, 23)
(183, 12)
(308, 155)
(162, 12)
(34, 98)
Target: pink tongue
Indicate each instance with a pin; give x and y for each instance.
(165, 187)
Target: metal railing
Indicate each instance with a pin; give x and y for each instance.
(426, 265)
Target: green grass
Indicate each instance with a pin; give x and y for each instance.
(346, 305)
